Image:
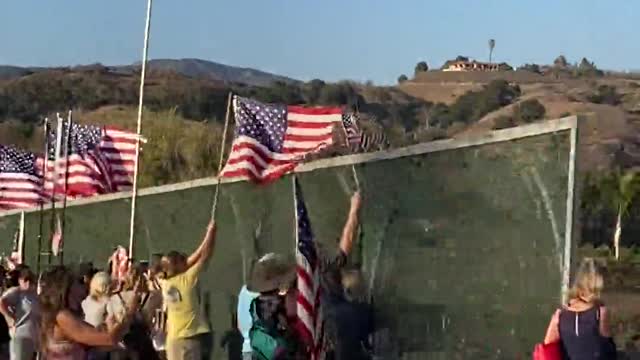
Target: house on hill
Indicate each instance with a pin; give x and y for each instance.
(462, 63)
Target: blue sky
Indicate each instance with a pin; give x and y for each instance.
(329, 39)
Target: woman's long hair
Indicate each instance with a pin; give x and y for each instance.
(588, 283)
(55, 285)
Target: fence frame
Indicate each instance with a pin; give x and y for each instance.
(496, 136)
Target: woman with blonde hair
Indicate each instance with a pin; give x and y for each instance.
(64, 336)
(94, 306)
(582, 326)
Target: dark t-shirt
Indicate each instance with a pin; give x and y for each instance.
(353, 323)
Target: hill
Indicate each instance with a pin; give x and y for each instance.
(203, 69)
(194, 68)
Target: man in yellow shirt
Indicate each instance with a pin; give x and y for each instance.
(187, 326)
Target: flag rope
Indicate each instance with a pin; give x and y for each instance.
(214, 206)
(143, 72)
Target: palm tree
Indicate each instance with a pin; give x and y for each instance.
(620, 189)
(492, 44)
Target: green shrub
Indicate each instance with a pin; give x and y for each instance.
(529, 111)
(605, 94)
(473, 105)
(503, 122)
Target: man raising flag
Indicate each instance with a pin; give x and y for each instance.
(297, 289)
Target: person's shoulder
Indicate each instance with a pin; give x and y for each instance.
(12, 291)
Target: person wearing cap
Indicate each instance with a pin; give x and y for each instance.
(187, 336)
(273, 334)
(274, 277)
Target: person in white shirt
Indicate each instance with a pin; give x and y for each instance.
(94, 306)
(244, 319)
(19, 305)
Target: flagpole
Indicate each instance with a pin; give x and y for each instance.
(227, 116)
(295, 210)
(353, 166)
(54, 178)
(45, 164)
(66, 185)
(134, 193)
(21, 239)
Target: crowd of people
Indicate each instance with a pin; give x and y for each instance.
(155, 312)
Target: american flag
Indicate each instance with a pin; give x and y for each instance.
(308, 277)
(57, 237)
(351, 129)
(271, 139)
(100, 160)
(20, 184)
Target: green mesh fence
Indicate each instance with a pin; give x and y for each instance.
(462, 248)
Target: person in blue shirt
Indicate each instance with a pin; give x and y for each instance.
(244, 319)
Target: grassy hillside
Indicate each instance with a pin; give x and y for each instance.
(184, 116)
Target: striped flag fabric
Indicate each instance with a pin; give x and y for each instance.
(308, 276)
(98, 160)
(272, 139)
(20, 182)
(352, 129)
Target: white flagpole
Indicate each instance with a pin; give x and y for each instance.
(58, 154)
(134, 194)
(21, 239)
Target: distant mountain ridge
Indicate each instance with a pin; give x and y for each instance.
(194, 68)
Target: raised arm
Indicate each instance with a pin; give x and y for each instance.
(204, 251)
(346, 241)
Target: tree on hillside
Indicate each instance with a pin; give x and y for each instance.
(534, 68)
(402, 78)
(587, 68)
(473, 105)
(619, 190)
(492, 45)
(312, 90)
(585, 64)
(421, 67)
(560, 62)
